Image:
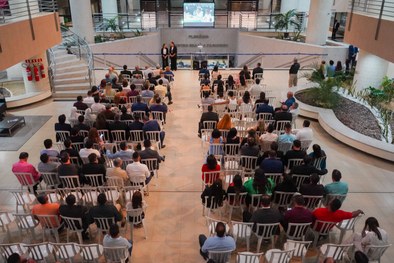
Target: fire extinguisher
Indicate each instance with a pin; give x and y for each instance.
(36, 74)
(42, 72)
(28, 72)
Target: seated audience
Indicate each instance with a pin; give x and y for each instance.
(272, 164)
(46, 165)
(331, 213)
(136, 125)
(137, 169)
(298, 214)
(104, 209)
(75, 137)
(70, 209)
(133, 92)
(81, 124)
(125, 116)
(318, 153)
(45, 208)
(118, 125)
(313, 187)
(213, 194)
(207, 116)
(149, 153)
(113, 239)
(256, 88)
(22, 166)
(287, 185)
(49, 150)
(306, 133)
(282, 114)
(259, 184)
(124, 153)
(225, 123)
(220, 242)
(153, 125)
(88, 100)
(159, 106)
(307, 168)
(236, 186)
(62, 125)
(80, 105)
(117, 171)
(273, 147)
(211, 165)
(290, 99)
(269, 135)
(97, 107)
(265, 215)
(16, 258)
(294, 153)
(232, 137)
(94, 167)
(336, 187)
(66, 168)
(140, 106)
(287, 136)
(264, 107)
(85, 152)
(125, 71)
(250, 148)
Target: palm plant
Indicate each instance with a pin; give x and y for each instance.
(285, 20)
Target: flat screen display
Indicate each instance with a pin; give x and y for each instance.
(198, 14)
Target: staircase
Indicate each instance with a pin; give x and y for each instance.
(70, 72)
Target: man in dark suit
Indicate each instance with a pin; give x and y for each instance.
(137, 71)
(81, 125)
(264, 108)
(118, 125)
(257, 69)
(94, 167)
(62, 125)
(266, 214)
(307, 168)
(313, 188)
(272, 164)
(207, 116)
(136, 125)
(164, 56)
(173, 55)
(125, 71)
(76, 211)
(79, 104)
(294, 153)
(148, 153)
(282, 114)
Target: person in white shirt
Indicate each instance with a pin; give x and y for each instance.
(160, 89)
(156, 72)
(89, 99)
(113, 239)
(146, 71)
(97, 106)
(269, 135)
(220, 99)
(137, 169)
(306, 133)
(256, 88)
(85, 152)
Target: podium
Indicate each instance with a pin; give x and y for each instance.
(199, 60)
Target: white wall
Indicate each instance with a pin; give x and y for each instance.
(340, 6)
(390, 70)
(257, 44)
(149, 43)
(299, 5)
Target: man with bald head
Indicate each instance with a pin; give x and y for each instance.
(290, 99)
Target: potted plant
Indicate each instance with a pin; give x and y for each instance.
(284, 21)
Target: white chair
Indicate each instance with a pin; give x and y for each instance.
(137, 136)
(242, 230)
(329, 197)
(231, 149)
(126, 162)
(51, 223)
(118, 136)
(7, 250)
(232, 162)
(52, 194)
(321, 229)
(317, 162)
(255, 202)
(154, 136)
(300, 248)
(139, 181)
(212, 204)
(284, 146)
(116, 254)
(26, 222)
(296, 231)
(249, 257)
(111, 193)
(235, 201)
(95, 180)
(276, 177)
(376, 252)
(265, 146)
(265, 116)
(299, 179)
(278, 256)
(130, 190)
(103, 224)
(347, 225)
(229, 176)
(334, 251)
(116, 182)
(23, 199)
(159, 116)
(5, 220)
(216, 149)
(62, 135)
(305, 145)
(220, 256)
(265, 231)
(70, 181)
(211, 223)
(209, 178)
(248, 163)
(282, 199)
(280, 126)
(153, 165)
(104, 133)
(135, 217)
(271, 100)
(91, 252)
(293, 162)
(73, 225)
(65, 251)
(312, 201)
(40, 251)
(51, 180)
(139, 113)
(26, 180)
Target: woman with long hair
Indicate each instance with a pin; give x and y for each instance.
(214, 193)
(318, 153)
(236, 186)
(230, 83)
(215, 72)
(225, 123)
(211, 165)
(101, 122)
(93, 136)
(259, 184)
(245, 99)
(232, 137)
(137, 202)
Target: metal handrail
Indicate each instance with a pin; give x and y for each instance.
(51, 67)
(373, 7)
(26, 9)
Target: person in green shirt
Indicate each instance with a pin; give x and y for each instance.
(259, 184)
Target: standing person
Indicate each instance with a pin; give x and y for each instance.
(293, 73)
(335, 29)
(173, 55)
(164, 56)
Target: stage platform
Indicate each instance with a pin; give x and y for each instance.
(10, 124)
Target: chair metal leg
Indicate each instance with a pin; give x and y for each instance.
(56, 234)
(247, 243)
(131, 232)
(79, 234)
(68, 235)
(143, 224)
(259, 240)
(341, 235)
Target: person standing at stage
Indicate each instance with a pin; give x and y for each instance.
(293, 74)
(173, 55)
(164, 56)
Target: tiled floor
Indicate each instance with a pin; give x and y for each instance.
(174, 216)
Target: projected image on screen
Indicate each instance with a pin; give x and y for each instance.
(198, 14)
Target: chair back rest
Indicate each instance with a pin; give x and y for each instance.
(83, 133)
(297, 230)
(135, 216)
(103, 223)
(5, 219)
(137, 180)
(224, 134)
(294, 162)
(105, 134)
(126, 162)
(139, 113)
(232, 162)
(241, 229)
(132, 99)
(7, 250)
(265, 145)
(95, 180)
(38, 251)
(312, 201)
(336, 251)
(280, 126)
(210, 177)
(90, 252)
(271, 99)
(249, 162)
(232, 149)
(266, 231)
(229, 175)
(153, 136)
(151, 163)
(111, 192)
(25, 221)
(75, 160)
(276, 177)
(116, 182)
(72, 223)
(50, 179)
(300, 247)
(376, 252)
(25, 179)
(236, 200)
(209, 125)
(348, 224)
(323, 227)
(118, 135)
(299, 179)
(256, 200)
(62, 135)
(65, 251)
(137, 135)
(245, 107)
(317, 162)
(265, 116)
(21, 196)
(70, 181)
(130, 190)
(305, 144)
(330, 197)
(78, 145)
(220, 256)
(248, 257)
(284, 146)
(281, 256)
(283, 199)
(158, 115)
(52, 194)
(49, 221)
(213, 202)
(116, 254)
(216, 148)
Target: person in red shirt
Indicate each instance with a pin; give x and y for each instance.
(210, 166)
(24, 167)
(331, 213)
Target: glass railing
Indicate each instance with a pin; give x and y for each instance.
(377, 8)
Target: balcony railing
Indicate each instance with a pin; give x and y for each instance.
(378, 8)
(18, 10)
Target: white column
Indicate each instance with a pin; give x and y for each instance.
(43, 83)
(370, 70)
(81, 15)
(318, 21)
(109, 8)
